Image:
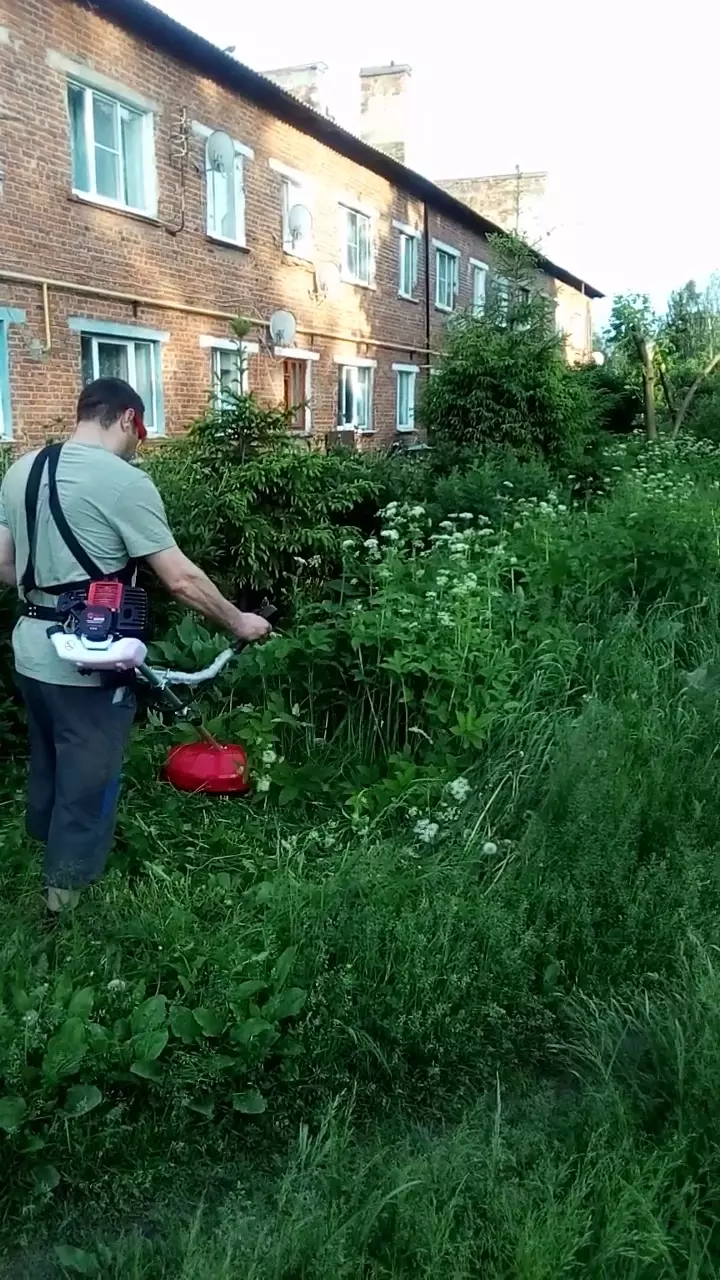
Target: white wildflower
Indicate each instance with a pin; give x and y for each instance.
(269, 756)
(447, 525)
(392, 535)
(490, 848)
(444, 619)
(416, 512)
(459, 789)
(295, 709)
(347, 545)
(425, 830)
(465, 515)
(371, 544)
(116, 985)
(262, 785)
(31, 1017)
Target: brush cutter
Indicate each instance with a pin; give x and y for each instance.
(208, 766)
(101, 630)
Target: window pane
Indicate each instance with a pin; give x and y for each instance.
(402, 395)
(352, 244)
(295, 393)
(105, 122)
(363, 272)
(112, 360)
(345, 398)
(362, 398)
(86, 361)
(80, 167)
(144, 380)
(221, 189)
(131, 127)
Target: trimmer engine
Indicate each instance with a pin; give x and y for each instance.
(103, 628)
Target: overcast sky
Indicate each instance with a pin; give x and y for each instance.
(618, 103)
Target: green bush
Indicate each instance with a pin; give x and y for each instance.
(506, 385)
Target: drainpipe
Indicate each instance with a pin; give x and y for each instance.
(426, 243)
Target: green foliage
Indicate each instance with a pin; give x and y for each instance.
(252, 506)
(507, 385)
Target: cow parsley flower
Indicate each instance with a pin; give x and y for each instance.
(425, 830)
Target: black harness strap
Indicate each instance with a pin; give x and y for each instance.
(50, 457)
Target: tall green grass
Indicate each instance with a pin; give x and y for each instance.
(476, 897)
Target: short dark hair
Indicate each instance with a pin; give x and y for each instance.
(105, 399)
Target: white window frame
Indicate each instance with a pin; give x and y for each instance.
(243, 153)
(408, 238)
(308, 358)
(447, 251)
(295, 188)
(348, 367)
(478, 271)
(89, 91)
(243, 351)
(127, 336)
(405, 371)
(5, 406)
(351, 208)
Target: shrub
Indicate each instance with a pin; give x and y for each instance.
(507, 385)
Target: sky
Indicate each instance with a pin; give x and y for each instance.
(618, 103)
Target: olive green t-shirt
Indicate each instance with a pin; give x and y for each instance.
(115, 512)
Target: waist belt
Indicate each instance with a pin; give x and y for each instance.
(43, 612)
(50, 457)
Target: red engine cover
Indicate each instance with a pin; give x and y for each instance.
(196, 766)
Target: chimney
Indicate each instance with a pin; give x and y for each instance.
(384, 108)
(304, 82)
(515, 201)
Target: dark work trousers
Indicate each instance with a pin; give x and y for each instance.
(77, 741)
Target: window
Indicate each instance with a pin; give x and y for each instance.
(406, 375)
(478, 285)
(502, 296)
(296, 379)
(137, 361)
(408, 265)
(112, 150)
(5, 423)
(299, 244)
(229, 375)
(357, 252)
(355, 386)
(225, 189)
(447, 276)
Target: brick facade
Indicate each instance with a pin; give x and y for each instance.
(171, 276)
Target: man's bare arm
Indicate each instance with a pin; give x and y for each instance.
(192, 587)
(7, 557)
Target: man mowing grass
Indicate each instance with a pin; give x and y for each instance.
(69, 516)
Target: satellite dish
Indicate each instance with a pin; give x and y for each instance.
(299, 223)
(283, 327)
(327, 279)
(220, 152)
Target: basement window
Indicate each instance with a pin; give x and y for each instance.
(112, 151)
(355, 395)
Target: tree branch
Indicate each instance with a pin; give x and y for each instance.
(682, 411)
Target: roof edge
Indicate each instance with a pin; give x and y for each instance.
(164, 32)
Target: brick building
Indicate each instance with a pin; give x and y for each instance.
(152, 189)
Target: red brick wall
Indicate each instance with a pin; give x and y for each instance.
(49, 234)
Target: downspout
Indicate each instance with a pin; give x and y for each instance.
(426, 243)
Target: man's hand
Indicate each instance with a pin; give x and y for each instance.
(250, 626)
